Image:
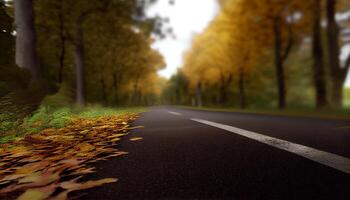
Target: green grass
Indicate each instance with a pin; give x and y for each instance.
(8, 138)
(98, 111)
(306, 112)
(46, 117)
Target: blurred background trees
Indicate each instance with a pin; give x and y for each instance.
(267, 54)
(90, 45)
(65, 53)
(254, 54)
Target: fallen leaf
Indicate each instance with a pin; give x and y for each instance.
(136, 139)
(84, 147)
(36, 181)
(73, 185)
(38, 193)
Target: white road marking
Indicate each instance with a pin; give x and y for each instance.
(175, 113)
(329, 159)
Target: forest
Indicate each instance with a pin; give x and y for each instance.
(75, 75)
(266, 54)
(59, 55)
(62, 56)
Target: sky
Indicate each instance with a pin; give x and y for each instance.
(187, 17)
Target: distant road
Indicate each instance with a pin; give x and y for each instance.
(191, 154)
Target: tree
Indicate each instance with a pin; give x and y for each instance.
(120, 72)
(227, 51)
(126, 13)
(26, 55)
(243, 43)
(283, 40)
(318, 56)
(338, 72)
(6, 39)
(62, 38)
(79, 51)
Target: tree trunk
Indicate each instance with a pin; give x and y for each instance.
(337, 93)
(80, 68)
(317, 52)
(139, 97)
(177, 96)
(281, 85)
(199, 94)
(103, 88)
(79, 54)
(136, 93)
(62, 52)
(26, 54)
(223, 92)
(224, 83)
(116, 87)
(241, 89)
(223, 95)
(337, 73)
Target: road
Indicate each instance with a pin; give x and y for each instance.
(189, 154)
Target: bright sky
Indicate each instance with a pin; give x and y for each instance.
(187, 17)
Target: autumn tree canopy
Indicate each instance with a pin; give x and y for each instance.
(260, 49)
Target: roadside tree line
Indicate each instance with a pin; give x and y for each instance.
(97, 51)
(267, 53)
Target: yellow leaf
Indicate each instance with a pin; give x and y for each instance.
(85, 147)
(38, 193)
(73, 185)
(136, 139)
(115, 140)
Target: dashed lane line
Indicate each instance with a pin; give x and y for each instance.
(175, 113)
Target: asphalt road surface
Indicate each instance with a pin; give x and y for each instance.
(189, 154)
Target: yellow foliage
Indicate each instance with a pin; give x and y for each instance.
(236, 40)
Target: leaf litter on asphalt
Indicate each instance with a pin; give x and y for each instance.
(136, 139)
(50, 164)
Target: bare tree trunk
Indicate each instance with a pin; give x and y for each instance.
(223, 95)
(103, 88)
(317, 52)
(281, 85)
(241, 89)
(337, 93)
(224, 83)
(135, 95)
(79, 54)
(199, 94)
(139, 97)
(116, 87)
(281, 54)
(26, 54)
(62, 52)
(80, 68)
(338, 73)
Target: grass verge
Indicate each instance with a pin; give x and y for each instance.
(48, 118)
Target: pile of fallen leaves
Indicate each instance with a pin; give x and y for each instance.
(50, 164)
